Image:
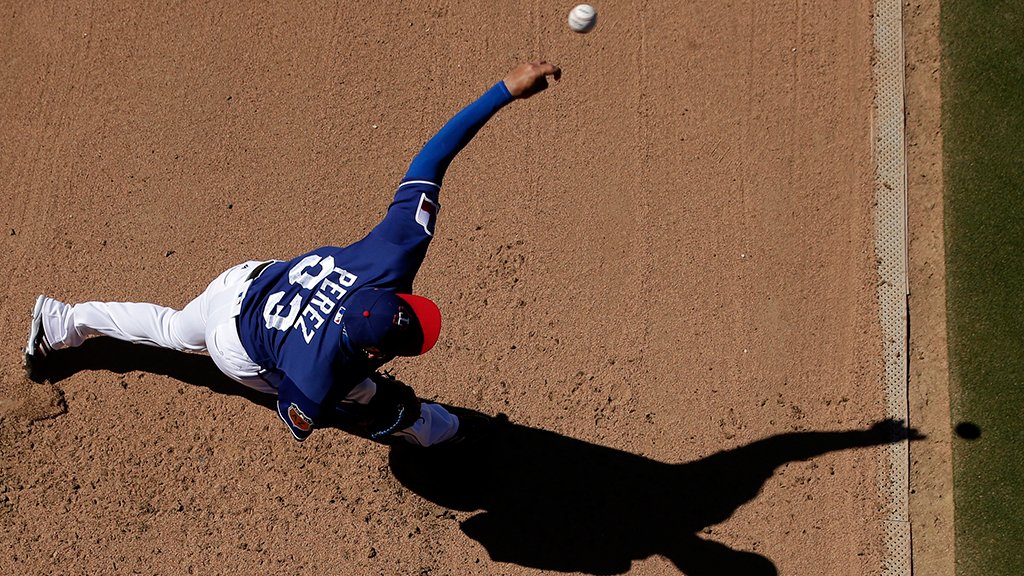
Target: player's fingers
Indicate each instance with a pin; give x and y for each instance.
(547, 69)
(531, 77)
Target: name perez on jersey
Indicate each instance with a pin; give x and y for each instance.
(312, 273)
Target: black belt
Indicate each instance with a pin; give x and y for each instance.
(258, 270)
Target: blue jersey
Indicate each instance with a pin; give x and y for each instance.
(291, 316)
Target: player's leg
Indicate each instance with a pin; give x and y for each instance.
(68, 325)
(56, 325)
(207, 323)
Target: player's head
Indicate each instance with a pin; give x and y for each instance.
(385, 323)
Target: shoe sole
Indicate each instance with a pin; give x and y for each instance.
(37, 326)
(32, 369)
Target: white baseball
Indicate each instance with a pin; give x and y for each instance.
(582, 18)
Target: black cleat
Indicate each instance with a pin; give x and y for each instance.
(473, 426)
(37, 348)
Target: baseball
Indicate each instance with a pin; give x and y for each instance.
(582, 18)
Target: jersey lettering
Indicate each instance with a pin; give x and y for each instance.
(314, 317)
(298, 275)
(322, 302)
(310, 272)
(272, 311)
(332, 288)
(345, 279)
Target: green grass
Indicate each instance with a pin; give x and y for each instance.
(983, 156)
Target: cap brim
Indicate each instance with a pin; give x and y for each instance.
(429, 317)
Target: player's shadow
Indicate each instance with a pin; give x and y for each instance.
(121, 357)
(551, 502)
(545, 500)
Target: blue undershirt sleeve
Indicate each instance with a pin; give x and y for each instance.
(407, 228)
(432, 161)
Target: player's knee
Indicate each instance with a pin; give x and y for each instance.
(183, 336)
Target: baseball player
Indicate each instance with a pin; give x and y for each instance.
(316, 329)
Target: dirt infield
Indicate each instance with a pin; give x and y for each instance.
(661, 270)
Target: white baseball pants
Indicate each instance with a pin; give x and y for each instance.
(206, 324)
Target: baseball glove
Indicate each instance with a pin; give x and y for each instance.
(393, 407)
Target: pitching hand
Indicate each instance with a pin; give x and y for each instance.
(527, 79)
